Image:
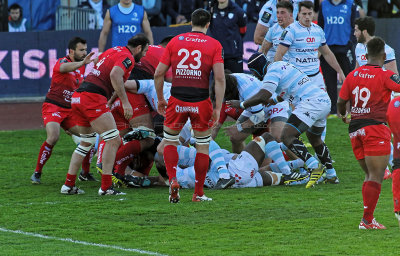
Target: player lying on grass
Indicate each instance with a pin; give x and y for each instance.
(312, 105)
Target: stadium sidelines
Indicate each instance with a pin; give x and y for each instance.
(81, 242)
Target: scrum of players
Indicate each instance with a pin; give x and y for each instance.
(275, 104)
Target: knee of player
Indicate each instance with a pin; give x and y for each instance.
(267, 137)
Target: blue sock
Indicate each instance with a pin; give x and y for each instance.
(274, 152)
(312, 163)
(330, 173)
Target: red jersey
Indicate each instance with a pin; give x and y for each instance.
(368, 88)
(100, 75)
(191, 56)
(63, 85)
(150, 62)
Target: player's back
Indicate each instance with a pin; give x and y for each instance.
(149, 62)
(369, 97)
(192, 56)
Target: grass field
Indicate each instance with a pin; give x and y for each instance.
(280, 220)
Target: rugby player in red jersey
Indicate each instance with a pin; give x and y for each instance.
(147, 66)
(56, 110)
(92, 115)
(192, 56)
(393, 115)
(368, 89)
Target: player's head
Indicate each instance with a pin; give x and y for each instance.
(306, 13)
(201, 18)
(364, 27)
(258, 65)
(15, 11)
(138, 44)
(231, 88)
(77, 48)
(166, 40)
(284, 13)
(376, 51)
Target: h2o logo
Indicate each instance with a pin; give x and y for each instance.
(127, 29)
(334, 20)
(310, 40)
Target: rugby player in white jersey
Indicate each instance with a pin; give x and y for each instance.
(302, 40)
(311, 108)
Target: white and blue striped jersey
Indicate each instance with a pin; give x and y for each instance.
(267, 15)
(290, 83)
(248, 86)
(303, 43)
(273, 36)
(361, 51)
(148, 88)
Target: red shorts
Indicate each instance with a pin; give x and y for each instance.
(372, 140)
(178, 112)
(139, 107)
(87, 107)
(392, 115)
(54, 113)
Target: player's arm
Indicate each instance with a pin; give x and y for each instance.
(331, 59)
(72, 66)
(105, 31)
(261, 97)
(146, 28)
(280, 51)
(265, 47)
(260, 33)
(219, 77)
(131, 86)
(392, 66)
(159, 85)
(341, 106)
(117, 81)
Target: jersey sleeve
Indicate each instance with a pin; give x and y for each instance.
(58, 64)
(287, 37)
(390, 55)
(265, 16)
(145, 86)
(344, 91)
(271, 81)
(125, 62)
(166, 57)
(242, 18)
(322, 34)
(392, 81)
(218, 54)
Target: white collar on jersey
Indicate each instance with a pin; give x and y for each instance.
(126, 10)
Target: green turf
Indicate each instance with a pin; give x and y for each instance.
(255, 221)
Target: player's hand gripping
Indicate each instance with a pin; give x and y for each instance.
(161, 106)
(233, 103)
(128, 112)
(215, 117)
(88, 59)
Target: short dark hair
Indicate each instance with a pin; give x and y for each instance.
(15, 6)
(139, 39)
(74, 41)
(306, 4)
(375, 47)
(285, 4)
(201, 17)
(166, 39)
(366, 23)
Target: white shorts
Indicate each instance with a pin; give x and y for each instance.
(255, 182)
(243, 168)
(185, 177)
(318, 80)
(280, 110)
(313, 112)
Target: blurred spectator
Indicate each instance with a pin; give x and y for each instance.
(153, 9)
(336, 18)
(181, 10)
(124, 20)
(228, 26)
(360, 8)
(16, 21)
(382, 8)
(100, 6)
(253, 8)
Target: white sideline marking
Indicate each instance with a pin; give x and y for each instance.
(81, 242)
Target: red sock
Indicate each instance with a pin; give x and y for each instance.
(87, 160)
(70, 180)
(370, 197)
(363, 187)
(171, 158)
(106, 181)
(44, 155)
(100, 151)
(396, 189)
(125, 155)
(201, 164)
